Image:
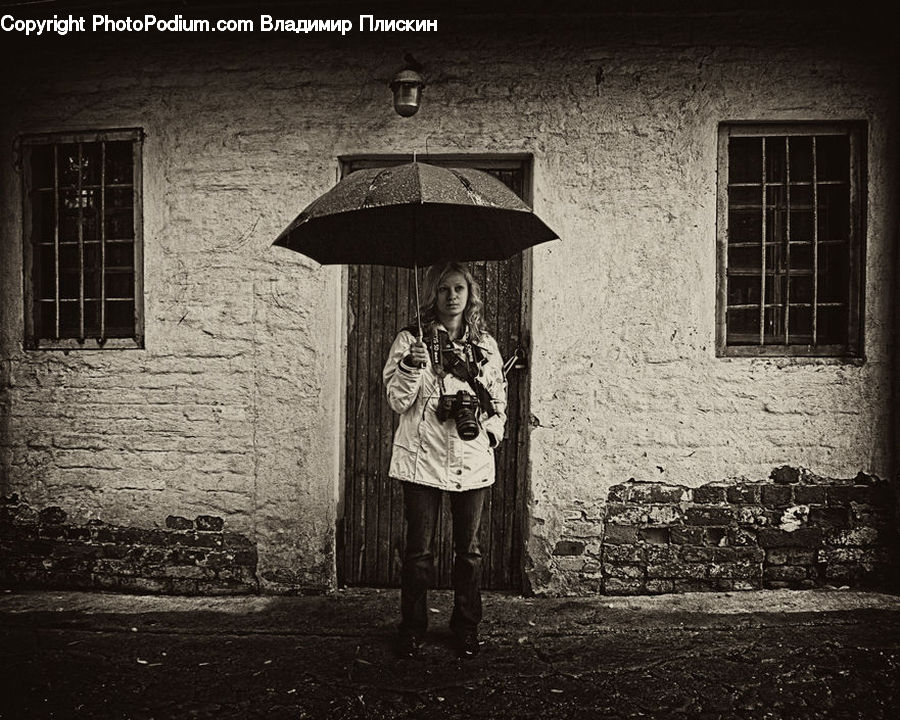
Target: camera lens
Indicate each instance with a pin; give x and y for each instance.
(466, 424)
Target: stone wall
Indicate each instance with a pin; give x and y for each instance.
(795, 530)
(43, 549)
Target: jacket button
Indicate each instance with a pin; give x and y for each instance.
(458, 485)
(459, 472)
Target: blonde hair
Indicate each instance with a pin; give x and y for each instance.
(473, 315)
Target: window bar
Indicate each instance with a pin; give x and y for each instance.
(815, 260)
(102, 223)
(80, 247)
(787, 240)
(56, 238)
(762, 274)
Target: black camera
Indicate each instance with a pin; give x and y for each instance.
(463, 408)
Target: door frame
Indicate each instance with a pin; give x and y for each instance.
(517, 161)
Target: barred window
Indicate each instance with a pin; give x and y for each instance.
(83, 240)
(790, 239)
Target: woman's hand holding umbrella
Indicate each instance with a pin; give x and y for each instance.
(418, 355)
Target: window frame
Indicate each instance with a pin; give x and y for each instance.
(26, 143)
(855, 131)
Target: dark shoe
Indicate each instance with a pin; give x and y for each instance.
(467, 644)
(408, 644)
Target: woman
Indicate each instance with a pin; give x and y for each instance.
(449, 389)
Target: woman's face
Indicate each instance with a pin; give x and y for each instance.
(452, 296)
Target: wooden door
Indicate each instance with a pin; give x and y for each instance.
(380, 301)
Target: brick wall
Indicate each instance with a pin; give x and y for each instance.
(795, 530)
(42, 549)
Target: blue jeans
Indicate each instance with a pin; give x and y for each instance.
(422, 505)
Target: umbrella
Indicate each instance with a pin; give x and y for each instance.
(412, 215)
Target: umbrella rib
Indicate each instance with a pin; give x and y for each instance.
(372, 184)
(467, 186)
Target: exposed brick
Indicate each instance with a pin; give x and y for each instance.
(856, 537)
(621, 586)
(699, 554)
(684, 535)
(623, 553)
(114, 551)
(655, 536)
(740, 537)
(708, 515)
(710, 494)
(844, 573)
(752, 554)
(158, 555)
(125, 559)
(651, 492)
(697, 585)
(670, 494)
(790, 572)
(78, 532)
(584, 529)
(776, 585)
(52, 531)
(716, 535)
(210, 522)
(785, 474)
(802, 538)
(185, 571)
(810, 494)
(621, 534)
(231, 540)
(743, 570)
(829, 517)
(23, 515)
(869, 556)
(675, 570)
(176, 522)
(626, 514)
(195, 539)
(634, 572)
(791, 556)
(789, 584)
(663, 553)
(53, 515)
(618, 493)
(864, 478)
(664, 514)
(660, 587)
(743, 494)
(568, 547)
(749, 584)
(776, 495)
(879, 517)
(225, 588)
(80, 550)
(569, 563)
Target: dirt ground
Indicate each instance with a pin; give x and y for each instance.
(770, 654)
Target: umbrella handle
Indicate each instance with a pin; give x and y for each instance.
(418, 312)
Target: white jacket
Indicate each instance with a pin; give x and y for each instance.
(428, 451)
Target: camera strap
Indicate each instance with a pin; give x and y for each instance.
(460, 367)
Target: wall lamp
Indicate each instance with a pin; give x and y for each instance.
(407, 87)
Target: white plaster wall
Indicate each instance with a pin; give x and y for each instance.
(233, 407)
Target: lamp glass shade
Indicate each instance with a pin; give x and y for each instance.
(406, 98)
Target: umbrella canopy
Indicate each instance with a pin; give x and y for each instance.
(412, 215)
